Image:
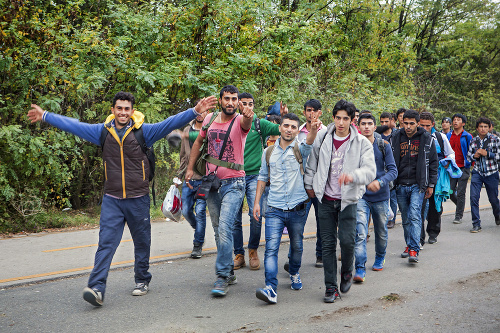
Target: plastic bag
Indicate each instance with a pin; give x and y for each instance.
(172, 205)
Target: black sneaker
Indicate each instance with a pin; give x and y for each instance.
(286, 267)
(319, 262)
(93, 296)
(331, 294)
(497, 220)
(475, 229)
(345, 282)
(196, 253)
(140, 289)
(432, 240)
(220, 287)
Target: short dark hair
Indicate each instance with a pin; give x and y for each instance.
(427, 116)
(245, 95)
(274, 118)
(461, 116)
(387, 115)
(123, 96)
(411, 114)
(230, 89)
(365, 111)
(446, 119)
(401, 110)
(346, 106)
(291, 116)
(483, 120)
(366, 115)
(314, 103)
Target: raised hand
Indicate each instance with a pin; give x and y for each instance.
(315, 122)
(283, 109)
(35, 114)
(206, 104)
(246, 111)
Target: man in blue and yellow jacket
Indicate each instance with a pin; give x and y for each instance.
(126, 186)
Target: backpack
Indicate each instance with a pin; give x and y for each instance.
(296, 153)
(149, 151)
(381, 143)
(256, 122)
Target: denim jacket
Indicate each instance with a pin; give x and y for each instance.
(287, 183)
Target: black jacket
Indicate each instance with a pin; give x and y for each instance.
(427, 160)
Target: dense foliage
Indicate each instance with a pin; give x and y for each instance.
(71, 57)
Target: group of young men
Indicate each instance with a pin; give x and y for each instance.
(350, 170)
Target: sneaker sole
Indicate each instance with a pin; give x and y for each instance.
(195, 256)
(413, 260)
(475, 231)
(90, 296)
(218, 293)
(377, 269)
(139, 293)
(263, 297)
(457, 222)
(358, 279)
(405, 255)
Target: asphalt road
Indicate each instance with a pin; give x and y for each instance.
(454, 288)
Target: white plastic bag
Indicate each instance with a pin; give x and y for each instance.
(390, 213)
(172, 205)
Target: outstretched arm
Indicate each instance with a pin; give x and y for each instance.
(154, 132)
(89, 132)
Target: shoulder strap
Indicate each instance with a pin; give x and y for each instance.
(381, 146)
(269, 151)
(104, 134)
(256, 122)
(298, 157)
(139, 136)
(440, 141)
(219, 161)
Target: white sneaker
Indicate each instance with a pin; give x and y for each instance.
(140, 289)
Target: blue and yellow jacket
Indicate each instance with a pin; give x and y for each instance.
(125, 165)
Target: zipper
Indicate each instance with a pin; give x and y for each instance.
(143, 172)
(113, 133)
(105, 171)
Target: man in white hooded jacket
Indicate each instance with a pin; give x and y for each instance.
(339, 167)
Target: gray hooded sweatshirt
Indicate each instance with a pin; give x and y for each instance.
(359, 162)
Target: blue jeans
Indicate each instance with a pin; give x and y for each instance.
(491, 184)
(379, 212)
(410, 200)
(114, 214)
(276, 220)
(195, 215)
(394, 204)
(315, 203)
(255, 226)
(223, 206)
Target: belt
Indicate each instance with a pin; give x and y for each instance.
(300, 206)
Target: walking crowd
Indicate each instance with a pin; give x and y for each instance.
(352, 171)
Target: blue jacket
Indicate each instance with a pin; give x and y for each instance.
(92, 132)
(465, 139)
(386, 173)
